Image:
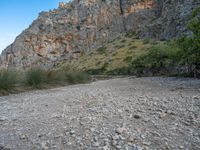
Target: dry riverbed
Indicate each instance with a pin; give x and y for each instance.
(124, 113)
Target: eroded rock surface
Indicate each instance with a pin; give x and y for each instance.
(82, 25)
(125, 114)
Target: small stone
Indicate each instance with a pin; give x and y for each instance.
(93, 110)
(170, 112)
(2, 147)
(114, 143)
(39, 135)
(44, 145)
(115, 137)
(55, 116)
(2, 118)
(146, 119)
(120, 111)
(118, 147)
(162, 115)
(195, 97)
(122, 138)
(131, 139)
(95, 144)
(92, 129)
(136, 116)
(147, 143)
(181, 147)
(23, 137)
(72, 132)
(69, 143)
(135, 147)
(120, 130)
(106, 147)
(95, 139)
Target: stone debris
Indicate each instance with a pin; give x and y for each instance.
(115, 114)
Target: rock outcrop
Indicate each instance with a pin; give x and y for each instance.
(82, 25)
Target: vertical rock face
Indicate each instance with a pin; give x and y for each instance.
(82, 25)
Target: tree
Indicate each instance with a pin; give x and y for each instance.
(190, 45)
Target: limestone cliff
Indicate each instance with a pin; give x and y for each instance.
(82, 25)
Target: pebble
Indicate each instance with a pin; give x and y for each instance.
(85, 126)
(181, 147)
(115, 137)
(162, 115)
(114, 142)
(120, 130)
(95, 144)
(44, 145)
(72, 132)
(2, 119)
(118, 147)
(106, 147)
(195, 97)
(131, 139)
(137, 116)
(23, 137)
(147, 143)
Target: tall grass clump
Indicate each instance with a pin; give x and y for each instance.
(76, 77)
(35, 77)
(7, 79)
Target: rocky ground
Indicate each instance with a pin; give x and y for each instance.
(124, 113)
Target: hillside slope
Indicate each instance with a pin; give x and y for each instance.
(110, 57)
(82, 25)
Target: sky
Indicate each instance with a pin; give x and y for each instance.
(17, 15)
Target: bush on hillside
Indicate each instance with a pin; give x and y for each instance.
(177, 56)
(190, 45)
(157, 60)
(119, 71)
(101, 50)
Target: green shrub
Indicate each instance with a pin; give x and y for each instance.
(190, 45)
(119, 46)
(131, 34)
(146, 41)
(76, 77)
(132, 47)
(123, 41)
(128, 59)
(35, 77)
(101, 50)
(98, 71)
(119, 71)
(181, 56)
(7, 79)
(157, 59)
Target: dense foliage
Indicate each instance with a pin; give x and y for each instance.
(38, 78)
(180, 56)
(7, 79)
(190, 45)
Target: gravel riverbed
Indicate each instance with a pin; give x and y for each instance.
(154, 113)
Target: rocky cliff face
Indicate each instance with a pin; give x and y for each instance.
(82, 25)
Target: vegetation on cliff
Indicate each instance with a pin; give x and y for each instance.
(180, 56)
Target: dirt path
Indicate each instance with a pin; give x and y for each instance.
(126, 113)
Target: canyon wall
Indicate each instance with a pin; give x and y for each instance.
(80, 26)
